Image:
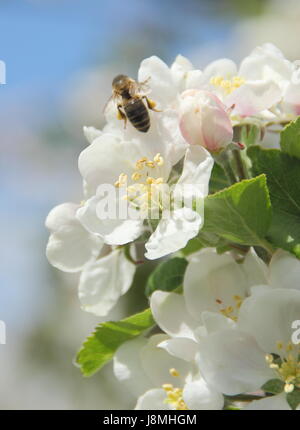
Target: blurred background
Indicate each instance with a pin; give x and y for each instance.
(61, 56)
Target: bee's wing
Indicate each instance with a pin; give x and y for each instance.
(112, 97)
(133, 88)
(144, 86)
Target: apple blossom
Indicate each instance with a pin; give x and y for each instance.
(258, 83)
(204, 120)
(161, 381)
(140, 172)
(212, 283)
(243, 359)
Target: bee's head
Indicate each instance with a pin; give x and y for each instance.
(121, 83)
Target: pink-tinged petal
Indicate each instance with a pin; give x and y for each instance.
(204, 120)
(254, 97)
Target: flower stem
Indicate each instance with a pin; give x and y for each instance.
(241, 171)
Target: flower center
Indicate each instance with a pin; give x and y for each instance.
(287, 368)
(227, 85)
(144, 191)
(175, 395)
(230, 311)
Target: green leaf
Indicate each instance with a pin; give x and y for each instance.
(203, 240)
(293, 398)
(218, 179)
(100, 346)
(290, 138)
(283, 179)
(274, 386)
(240, 213)
(167, 276)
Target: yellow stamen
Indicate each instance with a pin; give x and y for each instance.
(136, 176)
(228, 85)
(288, 367)
(140, 163)
(167, 387)
(158, 159)
(288, 388)
(150, 180)
(174, 372)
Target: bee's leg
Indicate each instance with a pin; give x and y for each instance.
(151, 104)
(121, 115)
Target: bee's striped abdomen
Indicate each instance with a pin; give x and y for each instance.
(138, 115)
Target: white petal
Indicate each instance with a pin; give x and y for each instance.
(194, 79)
(224, 67)
(291, 97)
(128, 367)
(173, 233)
(61, 215)
(274, 403)
(153, 400)
(170, 313)
(199, 396)
(106, 158)
(211, 283)
(214, 322)
(161, 83)
(254, 97)
(180, 347)
(157, 363)
(232, 362)
(255, 269)
(197, 167)
(269, 315)
(70, 246)
(104, 281)
(179, 70)
(114, 231)
(91, 133)
(174, 145)
(266, 62)
(284, 270)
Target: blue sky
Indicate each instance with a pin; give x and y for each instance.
(44, 42)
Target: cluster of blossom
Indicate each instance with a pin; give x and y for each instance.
(232, 326)
(229, 333)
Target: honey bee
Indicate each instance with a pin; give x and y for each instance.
(130, 98)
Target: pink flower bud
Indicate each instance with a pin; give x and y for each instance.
(204, 120)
